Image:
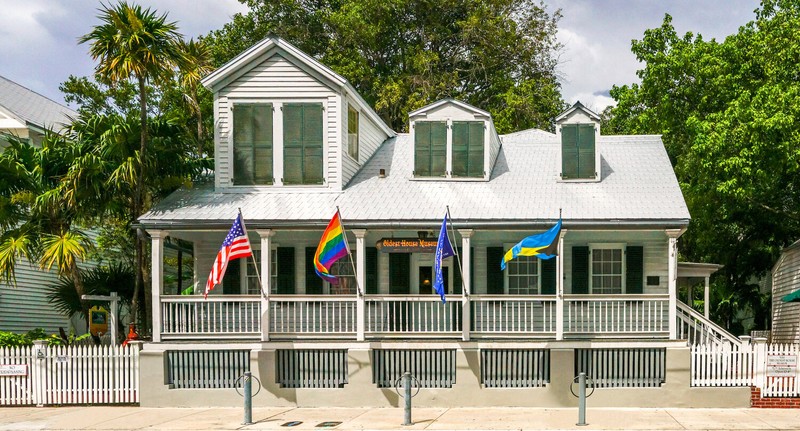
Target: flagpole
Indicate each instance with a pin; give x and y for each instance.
(347, 247)
(253, 256)
(455, 251)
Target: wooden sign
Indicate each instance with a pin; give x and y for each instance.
(13, 370)
(406, 245)
(781, 365)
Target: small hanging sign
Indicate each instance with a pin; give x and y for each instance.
(13, 370)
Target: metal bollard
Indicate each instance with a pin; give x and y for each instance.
(407, 391)
(581, 400)
(248, 398)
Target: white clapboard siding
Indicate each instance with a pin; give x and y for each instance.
(370, 137)
(71, 375)
(786, 315)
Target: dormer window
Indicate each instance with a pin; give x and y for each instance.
(302, 143)
(252, 144)
(468, 143)
(430, 148)
(578, 151)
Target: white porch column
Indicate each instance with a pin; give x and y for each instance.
(560, 287)
(466, 269)
(361, 280)
(706, 299)
(266, 279)
(672, 282)
(157, 278)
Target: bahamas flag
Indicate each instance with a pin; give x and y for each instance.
(332, 247)
(542, 245)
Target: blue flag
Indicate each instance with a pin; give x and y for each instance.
(443, 250)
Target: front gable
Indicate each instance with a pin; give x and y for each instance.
(281, 119)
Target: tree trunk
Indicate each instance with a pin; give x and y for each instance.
(80, 289)
(138, 198)
(200, 141)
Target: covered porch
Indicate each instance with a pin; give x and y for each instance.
(384, 308)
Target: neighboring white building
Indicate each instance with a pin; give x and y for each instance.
(786, 281)
(294, 141)
(27, 114)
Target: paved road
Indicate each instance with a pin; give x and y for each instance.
(136, 418)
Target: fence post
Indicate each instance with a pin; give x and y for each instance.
(39, 371)
(760, 362)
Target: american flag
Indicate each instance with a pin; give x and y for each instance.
(236, 245)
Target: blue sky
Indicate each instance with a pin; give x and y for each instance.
(38, 38)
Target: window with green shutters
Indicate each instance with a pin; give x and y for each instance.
(577, 151)
(252, 144)
(430, 148)
(302, 143)
(468, 144)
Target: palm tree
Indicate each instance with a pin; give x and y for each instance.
(139, 44)
(195, 64)
(36, 215)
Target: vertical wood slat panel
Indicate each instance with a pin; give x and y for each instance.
(622, 367)
(311, 368)
(433, 368)
(205, 369)
(504, 368)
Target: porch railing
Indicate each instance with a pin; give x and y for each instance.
(299, 316)
(337, 316)
(421, 315)
(616, 315)
(513, 315)
(220, 316)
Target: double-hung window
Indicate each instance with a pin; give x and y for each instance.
(343, 270)
(430, 148)
(468, 137)
(523, 275)
(607, 269)
(302, 143)
(252, 144)
(250, 276)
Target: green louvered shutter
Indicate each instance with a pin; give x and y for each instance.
(438, 148)
(232, 281)
(399, 273)
(422, 149)
(494, 275)
(252, 144)
(468, 143)
(371, 258)
(313, 281)
(286, 281)
(569, 151)
(430, 148)
(634, 269)
(586, 168)
(549, 276)
(302, 143)
(580, 269)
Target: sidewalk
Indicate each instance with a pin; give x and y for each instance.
(136, 418)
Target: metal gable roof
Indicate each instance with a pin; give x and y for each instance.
(33, 108)
(638, 187)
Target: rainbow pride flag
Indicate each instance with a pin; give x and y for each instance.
(332, 247)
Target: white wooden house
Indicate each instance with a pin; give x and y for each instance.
(27, 114)
(294, 141)
(785, 282)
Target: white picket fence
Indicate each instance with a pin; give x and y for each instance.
(770, 367)
(42, 375)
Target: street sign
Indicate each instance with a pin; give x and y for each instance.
(13, 370)
(781, 365)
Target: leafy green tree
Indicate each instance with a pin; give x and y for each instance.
(728, 112)
(499, 55)
(194, 65)
(135, 43)
(102, 176)
(37, 215)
